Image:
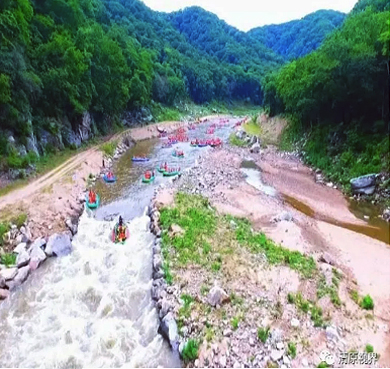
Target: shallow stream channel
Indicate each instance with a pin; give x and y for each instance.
(376, 227)
(93, 308)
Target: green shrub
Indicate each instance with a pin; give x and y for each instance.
(235, 321)
(263, 333)
(190, 351)
(367, 303)
(8, 259)
(19, 220)
(323, 364)
(292, 350)
(109, 147)
(235, 141)
(291, 298)
(369, 348)
(4, 228)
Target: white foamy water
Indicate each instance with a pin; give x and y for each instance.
(91, 308)
(254, 179)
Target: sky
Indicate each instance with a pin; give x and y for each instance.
(247, 14)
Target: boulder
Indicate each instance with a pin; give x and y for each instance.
(157, 262)
(72, 227)
(21, 247)
(255, 148)
(21, 150)
(39, 242)
(363, 181)
(327, 258)
(294, 322)
(240, 134)
(332, 334)
(284, 215)
(59, 244)
(165, 308)
(217, 296)
(32, 145)
(3, 294)
(364, 184)
(276, 355)
(2, 281)
(168, 329)
(20, 278)
(85, 127)
(176, 230)
(37, 256)
(8, 274)
(22, 259)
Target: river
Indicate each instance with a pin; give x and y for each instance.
(93, 308)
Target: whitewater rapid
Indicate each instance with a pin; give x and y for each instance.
(92, 308)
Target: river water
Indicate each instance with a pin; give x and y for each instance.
(93, 308)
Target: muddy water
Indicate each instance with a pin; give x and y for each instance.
(93, 308)
(376, 227)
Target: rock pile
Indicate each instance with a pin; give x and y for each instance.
(29, 256)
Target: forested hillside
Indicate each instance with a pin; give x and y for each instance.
(206, 32)
(339, 95)
(299, 37)
(70, 68)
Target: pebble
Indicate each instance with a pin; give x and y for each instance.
(280, 346)
(286, 360)
(222, 361)
(305, 363)
(276, 355)
(237, 365)
(294, 322)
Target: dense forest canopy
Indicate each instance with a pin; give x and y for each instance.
(61, 58)
(341, 91)
(299, 37)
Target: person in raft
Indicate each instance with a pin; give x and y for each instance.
(149, 174)
(110, 175)
(91, 197)
(120, 231)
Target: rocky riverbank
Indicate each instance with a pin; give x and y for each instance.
(273, 293)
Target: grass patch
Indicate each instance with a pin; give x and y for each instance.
(8, 259)
(369, 348)
(366, 302)
(198, 220)
(185, 310)
(235, 141)
(305, 306)
(190, 351)
(324, 289)
(292, 350)
(259, 243)
(252, 127)
(109, 147)
(235, 322)
(4, 228)
(263, 334)
(322, 364)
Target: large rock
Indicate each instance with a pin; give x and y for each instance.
(85, 127)
(22, 246)
(284, 215)
(37, 256)
(48, 139)
(240, 134)
(32, 145)
(255, 148)
(22, 259)
(364, 184)
(217, 296)
(327, 258)
(59, 244)
(168, 329)
(20, 278)
(8, 274)
(276, 355)
(3, 294)
(2, 281)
